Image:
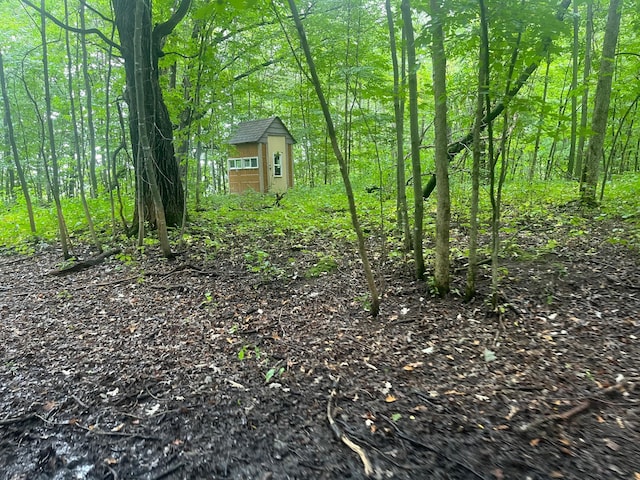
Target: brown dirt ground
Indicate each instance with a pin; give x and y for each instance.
(157, 369)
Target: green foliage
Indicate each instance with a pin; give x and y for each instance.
(489, 355)
(126, 258)
(252, 351)
(324, 265)
(273, 372)
(313, 221)
(258, 262)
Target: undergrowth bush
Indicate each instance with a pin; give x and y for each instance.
(306, 215)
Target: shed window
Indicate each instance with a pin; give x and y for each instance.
(277, 165)
(243, 163)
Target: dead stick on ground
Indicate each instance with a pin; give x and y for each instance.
(168, 472)
(584, 405)
(21, 418)
(340, 435)
(84, 264)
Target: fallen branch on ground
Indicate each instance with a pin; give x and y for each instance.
(21, 418)
(84, 264)
(340, 435)
(583, 406)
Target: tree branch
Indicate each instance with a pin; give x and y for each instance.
(459, 145)
(255, 68)
(97, 12)
(61, 24)
(163, 29)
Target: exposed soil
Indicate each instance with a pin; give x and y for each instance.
(223, 366)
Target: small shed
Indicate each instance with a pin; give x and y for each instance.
(261, 157)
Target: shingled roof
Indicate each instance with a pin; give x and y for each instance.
(255, 131)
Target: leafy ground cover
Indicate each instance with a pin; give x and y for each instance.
(234, 359)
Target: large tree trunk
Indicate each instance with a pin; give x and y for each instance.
(146, 159)
(158, 123)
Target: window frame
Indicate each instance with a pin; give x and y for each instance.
(277, 164)
(243, 163)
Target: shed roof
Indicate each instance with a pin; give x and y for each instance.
(255, 131)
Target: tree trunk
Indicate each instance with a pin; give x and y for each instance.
(496, 185)
(54, 178)
(76, 135)
(595, 151)
(14, 148)
(91, 131)
(443, 214)
(398, 107)
(414, 130)
(574, 85)
(158, 124)
(584, 106)
(146, 157)
(375, 298)
(483, 89)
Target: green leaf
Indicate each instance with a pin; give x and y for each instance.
(269, 375)
(489, 355)
(242, 353)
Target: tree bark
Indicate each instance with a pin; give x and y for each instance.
(414, 129)
(584, 105)
(483, 89)
(574, 85)
(54, 178)
(76, 134)
(398, 108)
(91, 131)
(595, 151)
(443, 213)
(373, 290)
(147, 160)
(158, 123)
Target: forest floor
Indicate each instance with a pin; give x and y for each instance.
(230, 364)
